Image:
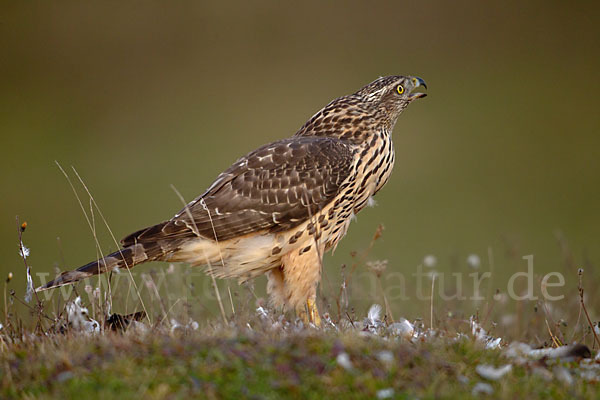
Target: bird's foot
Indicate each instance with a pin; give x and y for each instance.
(313, 312)
(309, 313)
(302, 314)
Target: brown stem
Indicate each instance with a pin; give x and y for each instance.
(580, 273)
(20, 229)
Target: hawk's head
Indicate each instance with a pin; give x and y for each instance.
(388, 96)
(355, 117)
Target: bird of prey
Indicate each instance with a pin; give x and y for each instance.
(279, 208)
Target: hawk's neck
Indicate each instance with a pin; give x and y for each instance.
(345, 118)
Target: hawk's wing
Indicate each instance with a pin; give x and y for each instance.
(274, 188)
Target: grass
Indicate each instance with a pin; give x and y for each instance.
(265, 363)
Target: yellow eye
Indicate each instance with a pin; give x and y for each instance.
(400, 89)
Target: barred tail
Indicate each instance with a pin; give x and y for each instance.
(124, 258)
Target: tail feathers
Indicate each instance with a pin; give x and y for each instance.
(124, 258)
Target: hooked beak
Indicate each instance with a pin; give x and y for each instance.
(417, 82)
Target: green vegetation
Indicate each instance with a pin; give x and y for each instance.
(263, 363)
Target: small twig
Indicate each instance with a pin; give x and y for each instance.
(377, 235)
(210, 268)
(577, 323)
(431, 308)
(8, 279)
(32, 309)
(491, 264)
(378, 268)
(554, 339)
(342, 294)
(94, 231)
(350, 319)
(388, 308)
(580, 287)
(214, 281)
(490, 308)
(547, 313)
(20, 229)
(167, 313)
(153, 289)
(93, 201)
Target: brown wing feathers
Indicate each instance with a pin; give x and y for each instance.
(274, 188)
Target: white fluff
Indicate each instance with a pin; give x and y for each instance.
(473, 261)
(79, 318)
(387, 393)
(30, 289)
(403, 328)
(374, 313)
(482, 388)
(430, 261)
(343, 360)
(492, 373)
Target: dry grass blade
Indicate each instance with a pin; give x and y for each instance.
(431, 305)
(94, 231)
(580, 273)
(364, 255)
(197, 233)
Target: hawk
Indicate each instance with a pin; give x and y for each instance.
(279, 208)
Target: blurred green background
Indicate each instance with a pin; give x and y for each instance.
(141, 95)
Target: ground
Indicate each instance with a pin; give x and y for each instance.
(270, 358)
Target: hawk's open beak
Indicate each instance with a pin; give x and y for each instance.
(417, 82)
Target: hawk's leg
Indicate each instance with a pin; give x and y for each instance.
(313, 311)
(276, 289)
(309, 313)
(302, 314)
(301, 275)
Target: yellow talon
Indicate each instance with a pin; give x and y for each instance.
(309, 313)
(313, 312)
